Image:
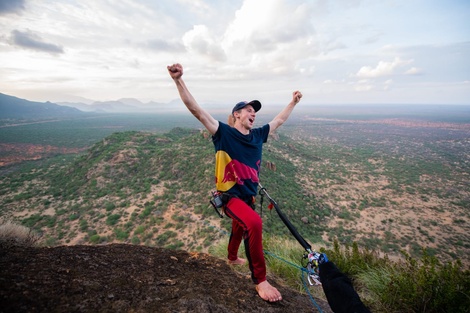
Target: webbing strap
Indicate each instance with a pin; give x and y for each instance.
(303, 270)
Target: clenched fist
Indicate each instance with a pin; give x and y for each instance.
(175, 70)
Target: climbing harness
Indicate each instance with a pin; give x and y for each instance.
(220, 199)
(311, 256)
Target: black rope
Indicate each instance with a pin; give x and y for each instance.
(286, 221)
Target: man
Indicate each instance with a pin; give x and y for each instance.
(238, 160)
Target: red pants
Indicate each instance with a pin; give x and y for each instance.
(247, 225)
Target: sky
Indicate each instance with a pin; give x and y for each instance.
(333, 51)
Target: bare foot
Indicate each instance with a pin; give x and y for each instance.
(238, 261)
(267, 292)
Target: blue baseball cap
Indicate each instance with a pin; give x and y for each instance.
(240, 105)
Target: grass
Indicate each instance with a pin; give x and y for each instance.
(413, 285)
(12, 234)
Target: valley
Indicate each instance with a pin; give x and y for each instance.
(390, 183)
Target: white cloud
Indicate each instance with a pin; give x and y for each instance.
(414, 71)
(383, 68)
(263, 25)
(270, 36)
(201, 41)
(363, 85)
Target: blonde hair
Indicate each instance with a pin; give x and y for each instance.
(231, 120)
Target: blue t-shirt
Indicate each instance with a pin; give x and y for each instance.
(238, 159)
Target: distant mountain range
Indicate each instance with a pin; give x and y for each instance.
(17, 108)
(125, 105)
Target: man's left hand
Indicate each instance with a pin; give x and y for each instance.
(296, 96)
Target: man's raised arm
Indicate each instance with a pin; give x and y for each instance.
(285, 113)
(176, 73)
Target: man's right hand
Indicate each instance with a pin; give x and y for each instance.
(175, 70)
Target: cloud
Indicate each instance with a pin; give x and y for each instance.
(11, 6)
(32, 41)
(263, 26)
(163, 45)
(382, 69)
(333, 45)
(261, 41)
(363, 85)
(198, 6)
(414, 71)
(201, 41)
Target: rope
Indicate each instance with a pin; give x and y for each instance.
(288, 262)
(309, 294)
(303, 270)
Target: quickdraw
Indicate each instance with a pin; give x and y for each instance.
(312, 256)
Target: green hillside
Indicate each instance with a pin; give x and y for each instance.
(137, 186)
(153, 189)
(124, 185)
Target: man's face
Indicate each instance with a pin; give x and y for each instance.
(246, 116)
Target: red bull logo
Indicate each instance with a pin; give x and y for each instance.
(229, 172)
(239, 172)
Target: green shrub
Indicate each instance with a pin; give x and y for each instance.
(163, 238)
(121, 234)
(426, 285)
(83, 225)
(94, 239)
(74, 216)
(32, 220)
(139, 230)
(110, 206)
(175, 246)
(113, 219)
(146, 212)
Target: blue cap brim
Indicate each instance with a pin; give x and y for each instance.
(240, 105)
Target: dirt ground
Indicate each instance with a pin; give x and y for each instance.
(130, 278)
